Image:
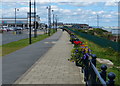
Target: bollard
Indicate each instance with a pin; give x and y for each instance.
(111, 77)
(93, 59)
(103, 72)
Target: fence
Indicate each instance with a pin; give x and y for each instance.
(100, 41)
(92, 76)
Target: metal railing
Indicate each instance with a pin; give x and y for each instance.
(92, 76)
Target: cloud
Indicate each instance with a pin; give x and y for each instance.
(111, 3)
(62, 1)
(80, 4)
(78, 14)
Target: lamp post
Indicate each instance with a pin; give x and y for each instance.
(30, 22)
(35, 29)
(49, 19)
(53, 18)
(15, 15)
(97, 21)
(56, 22)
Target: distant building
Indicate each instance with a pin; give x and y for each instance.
(77, 25)
(114, 38)
(116, 31)
(80, 26)
(22, 22)
(60, 24)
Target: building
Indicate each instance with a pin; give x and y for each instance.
(116, 35)
(77, 25)
(10, 22)
(116, 31)
(80, 26)
(21, 22)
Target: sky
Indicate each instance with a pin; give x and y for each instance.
(67, 12)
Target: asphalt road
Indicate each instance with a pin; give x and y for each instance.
(8, 37)
(18, 62)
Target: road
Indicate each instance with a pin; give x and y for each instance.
(8, 37)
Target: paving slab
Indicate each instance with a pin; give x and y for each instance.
(54, 67)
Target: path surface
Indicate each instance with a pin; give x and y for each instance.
(54, 67)
(18, 62)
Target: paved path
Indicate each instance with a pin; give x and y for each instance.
(18, 62)
(54, 67)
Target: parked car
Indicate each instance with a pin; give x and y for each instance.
(18, 28)
(4, 29)
(10, 29)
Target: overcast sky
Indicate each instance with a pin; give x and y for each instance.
(68, 12)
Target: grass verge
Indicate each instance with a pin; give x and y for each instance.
(16, 45)
(105, 53)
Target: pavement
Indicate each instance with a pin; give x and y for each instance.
(53, 67)
(18, 62)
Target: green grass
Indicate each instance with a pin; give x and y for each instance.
(105, 53)
(111, 69)
(16, 45)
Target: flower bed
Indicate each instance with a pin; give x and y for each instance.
(80, 51)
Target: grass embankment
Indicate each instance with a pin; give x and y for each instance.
(16, 45)
(105, 53)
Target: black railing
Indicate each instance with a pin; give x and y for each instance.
(92, 76)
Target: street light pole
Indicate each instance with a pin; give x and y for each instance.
(49, 19)
(30, 22)
(97, 21)
(15, 16)
(56, 22)
(53, 19)
(35, 29)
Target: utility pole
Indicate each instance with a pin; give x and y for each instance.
(30, 22)
(97, 21)
(49, 19)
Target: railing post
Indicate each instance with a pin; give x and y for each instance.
(111, 77)
(86, 68)
(93, 75)
(93, 59)
(103, 72)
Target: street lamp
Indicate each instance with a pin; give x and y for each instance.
(35, 29)
(53, 18)
(15, 15)
(30, 22)
(49, 19)
(56, 22)
(97, 21)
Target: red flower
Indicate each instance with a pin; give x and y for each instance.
(80, 42)
(82, 45)
(77, 42)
